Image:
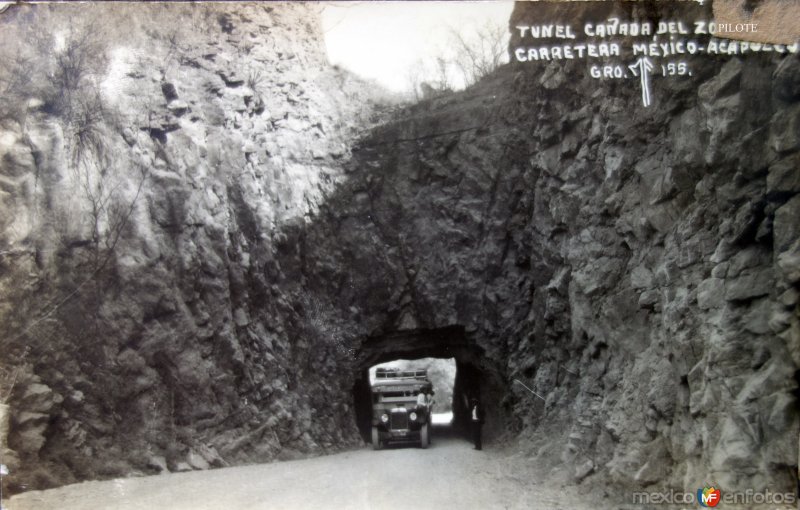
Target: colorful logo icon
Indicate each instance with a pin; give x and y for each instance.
(708, 496)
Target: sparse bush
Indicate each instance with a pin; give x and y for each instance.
(245, 48)
(480, 53)
(55, 66)
(471, 55)
(87, 114)
(75, 62)
(254, 79)
(76, 58)
(108, 210)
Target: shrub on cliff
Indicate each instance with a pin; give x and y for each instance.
(54, 63)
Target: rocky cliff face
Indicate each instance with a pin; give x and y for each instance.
(636, 267)
(148, 323)
(665, 318)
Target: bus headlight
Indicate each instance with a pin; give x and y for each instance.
(385, 418)
(413, 416)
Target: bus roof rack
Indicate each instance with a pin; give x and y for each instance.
(393, 373)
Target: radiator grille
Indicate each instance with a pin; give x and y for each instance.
(399, 420)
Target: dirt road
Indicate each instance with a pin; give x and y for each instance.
(450, 474)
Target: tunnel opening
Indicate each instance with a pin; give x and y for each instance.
(442, 374)
(471, 378)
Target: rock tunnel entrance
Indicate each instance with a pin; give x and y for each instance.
(471, 378)
(441, 373)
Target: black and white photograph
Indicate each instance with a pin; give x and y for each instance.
(382, 255)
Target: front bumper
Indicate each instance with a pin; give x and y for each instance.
(400, 435)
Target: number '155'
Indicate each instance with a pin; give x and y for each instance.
(675, 69)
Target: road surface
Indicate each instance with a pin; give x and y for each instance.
(448, 475)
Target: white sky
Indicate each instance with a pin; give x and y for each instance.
(383, 40)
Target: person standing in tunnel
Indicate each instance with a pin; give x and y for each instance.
(476, 419)
(429, 407)
(428, 399)
(421, 400)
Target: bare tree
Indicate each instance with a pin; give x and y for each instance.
(431, 77)
(87, 114)
(415, 78)
(471, 55)
(480, 52)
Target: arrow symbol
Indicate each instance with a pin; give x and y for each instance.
(642, 68)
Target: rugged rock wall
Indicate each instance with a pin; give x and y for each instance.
(147, 321)
(674, 298)
(636, 267)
